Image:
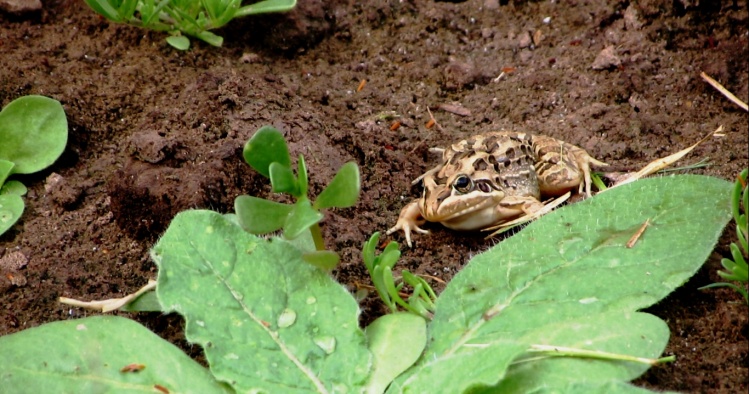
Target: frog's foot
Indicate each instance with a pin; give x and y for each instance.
(409, 220)
(584, 161)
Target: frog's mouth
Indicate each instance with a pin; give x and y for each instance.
(472, 211)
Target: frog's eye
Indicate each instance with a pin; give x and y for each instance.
(463, 184)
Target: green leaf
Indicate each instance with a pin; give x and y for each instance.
(635, 333)
(396, 341)
(283, 180)
(573, 266)
(323, 259)
(302, 216)
(34, 131)
(147, 302)
(14, 187)
(6, 168)
(104, 8)
(260, 216)
(484, 363)
(11, 209)
(211, 38)
(303, 178)
(265, 147)
(343, 190)
(267, 6)
(179, 42)
(88, 355)
(268, 321)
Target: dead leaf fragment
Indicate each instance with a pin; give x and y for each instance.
(456, 109)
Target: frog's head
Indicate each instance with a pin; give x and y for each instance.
(463, 194)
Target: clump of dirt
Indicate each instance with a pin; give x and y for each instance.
(154, 131)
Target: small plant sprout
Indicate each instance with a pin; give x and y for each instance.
(268, 154)
(34, 132)
(380, 267)
(189, 17)
(737, 269)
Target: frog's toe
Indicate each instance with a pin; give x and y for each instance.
(407, 227)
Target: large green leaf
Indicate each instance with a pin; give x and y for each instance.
(573, 266)
(635, 333)
(396, 341)
(33, 131)
(88, 356)
(268, 321)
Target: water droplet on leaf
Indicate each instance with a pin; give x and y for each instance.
(326, 343)
(287, 318)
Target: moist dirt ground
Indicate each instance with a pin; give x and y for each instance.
(154, 131)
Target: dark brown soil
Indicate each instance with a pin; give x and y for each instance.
(154, 131)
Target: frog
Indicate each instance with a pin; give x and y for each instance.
(492, 178)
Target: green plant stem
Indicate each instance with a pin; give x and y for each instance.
(597, 181)
(317, 236)
(574, 352)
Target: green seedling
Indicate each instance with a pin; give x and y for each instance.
(380, 267)
(189, 17)
(268, 154)
(555, 308)
(34, 132)
(737, 269)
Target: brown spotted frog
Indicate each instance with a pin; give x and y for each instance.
(493, 178)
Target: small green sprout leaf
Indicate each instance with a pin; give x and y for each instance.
(343, 190)
(211, 38)
(259, 216)
(179, 42)
(11, 209)
(283, 180)
(301, 217)
(737, 269)
(221, 10)
(265, 147)
(267, 6)
(13, 187)
(33, 131)
(6, 168)
(303, 178)
(326, 260)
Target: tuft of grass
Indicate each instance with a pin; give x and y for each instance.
(182, 18)
(736, 269)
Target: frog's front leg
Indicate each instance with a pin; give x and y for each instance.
(514, 207)
(409, 219)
